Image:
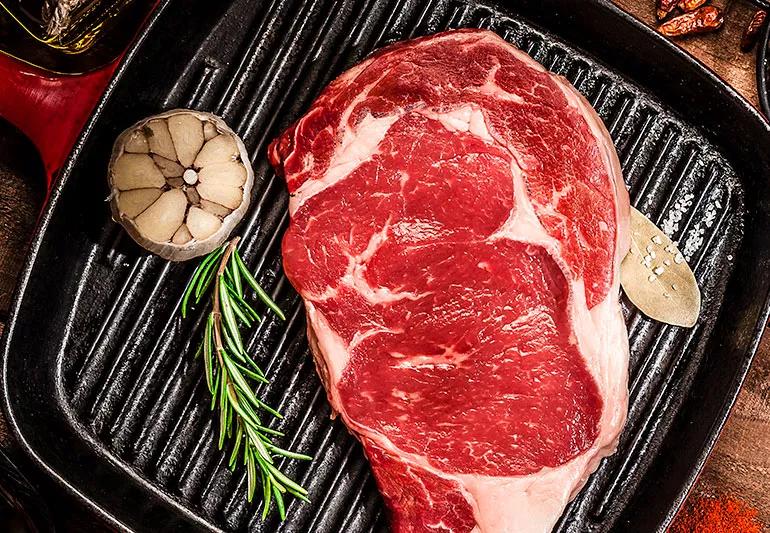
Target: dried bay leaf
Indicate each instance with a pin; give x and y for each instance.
(656, 278)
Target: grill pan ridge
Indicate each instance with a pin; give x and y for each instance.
(100, 382)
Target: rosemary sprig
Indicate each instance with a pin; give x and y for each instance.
(230, 373)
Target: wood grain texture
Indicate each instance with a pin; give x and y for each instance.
(720, 51)
(740, 464)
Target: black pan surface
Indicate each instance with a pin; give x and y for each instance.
(100, 383)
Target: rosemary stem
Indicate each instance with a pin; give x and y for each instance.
(232, 385)
(217, 310)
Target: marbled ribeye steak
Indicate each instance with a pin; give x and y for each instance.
(458, 218)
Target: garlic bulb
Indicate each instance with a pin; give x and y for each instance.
(180, 183)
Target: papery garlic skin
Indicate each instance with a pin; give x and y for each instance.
(180, 182)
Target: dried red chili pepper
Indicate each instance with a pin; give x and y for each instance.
(690, 5)
(752, 30)
(702, 20)
(665, 7)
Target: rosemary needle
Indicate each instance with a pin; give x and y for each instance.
(231, 374)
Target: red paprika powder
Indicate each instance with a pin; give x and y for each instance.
(703, 514)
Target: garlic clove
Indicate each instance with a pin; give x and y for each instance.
(136, 171)
(192, 196)
(133, 202)
(159, 139)
(220, 149)
(214, 208)
(209, 130)
(137, 143)
(187, 134)
(182, 235)
(170, 169)
(202, 224)
(229, 197)
(162, 219)
(229, 174)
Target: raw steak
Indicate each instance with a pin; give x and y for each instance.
(458, 218)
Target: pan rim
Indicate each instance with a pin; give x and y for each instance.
(8, 334)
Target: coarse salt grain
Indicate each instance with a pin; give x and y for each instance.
(678, 258)
(656, 239)
(659, 270)
(652, 278)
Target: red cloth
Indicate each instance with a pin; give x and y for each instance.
(49, 109)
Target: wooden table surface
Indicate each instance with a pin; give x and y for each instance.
(740, 464)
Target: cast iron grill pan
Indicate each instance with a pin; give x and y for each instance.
(101, 385)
